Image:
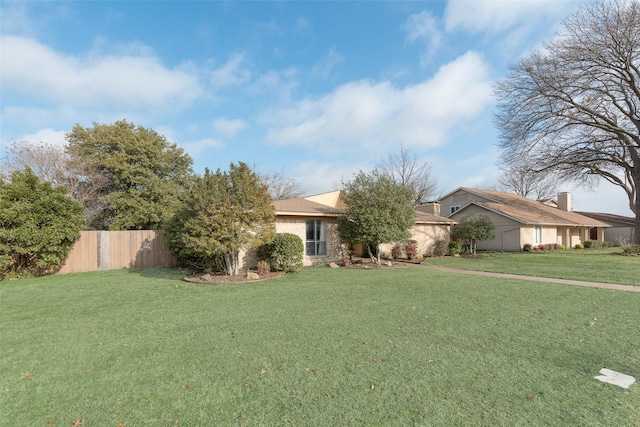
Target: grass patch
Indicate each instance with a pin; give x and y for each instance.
(603, 265)
(321, 347)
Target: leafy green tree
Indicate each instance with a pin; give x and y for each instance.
(223, 213)
(39, 225)
(145, 174)
(378, 211)
(474, 228)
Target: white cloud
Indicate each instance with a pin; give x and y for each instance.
(317, 177)
(233, 73)
(120, 81)
(48, 135)
(228, 127)
(325, 67)
(199, 147)
(365, 115)
(499, 15)
(424, 26)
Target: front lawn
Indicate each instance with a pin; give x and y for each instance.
(604, 265)
(392, 347)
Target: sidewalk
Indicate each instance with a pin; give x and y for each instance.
(628, 288)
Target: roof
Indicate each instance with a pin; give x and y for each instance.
(527, 211)
(609, 218)
(304, 207)
(426, 218)
(309, 208)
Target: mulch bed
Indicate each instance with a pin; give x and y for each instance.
(224, 279)
(242, 278)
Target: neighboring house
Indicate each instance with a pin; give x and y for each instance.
(521, 221)
(315, 220)
(621, 227)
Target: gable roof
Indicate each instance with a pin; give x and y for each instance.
(526, 211)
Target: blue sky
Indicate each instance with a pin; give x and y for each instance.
(317, 89)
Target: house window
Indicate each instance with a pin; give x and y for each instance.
(316, 243)
(453, 208)
(537, 234)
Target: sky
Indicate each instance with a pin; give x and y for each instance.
(317, 90)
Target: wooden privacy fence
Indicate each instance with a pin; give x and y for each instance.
(109, 250)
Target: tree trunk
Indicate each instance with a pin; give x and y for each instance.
(374, 258)
(229, 264)
(636, 181)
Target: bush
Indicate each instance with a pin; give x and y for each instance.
(439, 249)
(597, 244)
(546, 247)
(455, 247)
(263, 268)
(284, 253)
(39, 224)
(561, 247)
(578, 246)
(396, 251)
(632, 249)
(411, 250)
(527, 247)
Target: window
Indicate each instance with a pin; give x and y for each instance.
(316, 238)
(453, 208)
(537, 234)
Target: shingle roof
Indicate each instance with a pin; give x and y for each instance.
(304, 207)
(608, 218)
(529, 211)
(425, 218)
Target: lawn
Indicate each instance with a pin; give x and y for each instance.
(392, 347)
(604, 265)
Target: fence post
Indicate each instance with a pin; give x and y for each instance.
(103, 250)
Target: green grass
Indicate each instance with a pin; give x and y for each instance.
(604, 265)
(322, 347)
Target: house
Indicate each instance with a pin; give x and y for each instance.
(622, 228)
(521, 221)
(315, 220)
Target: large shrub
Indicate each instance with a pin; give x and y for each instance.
(283, 253)
(39, 225)
(222, 214)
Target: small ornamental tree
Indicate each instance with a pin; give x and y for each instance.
(223, 213)
(474, 228)
(39, 225)
(377, 211)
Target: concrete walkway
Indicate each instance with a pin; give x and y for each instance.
(628, 288)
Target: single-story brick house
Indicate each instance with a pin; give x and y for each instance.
(521, 221)
(315, 220)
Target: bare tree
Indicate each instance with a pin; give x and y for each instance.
(524, 181)
(404, 168)
(280, 187)
(52, 163)
(574, 107)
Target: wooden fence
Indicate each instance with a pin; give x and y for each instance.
(109, 250)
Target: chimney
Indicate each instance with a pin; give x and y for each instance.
(564, 202)
(432, 208)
